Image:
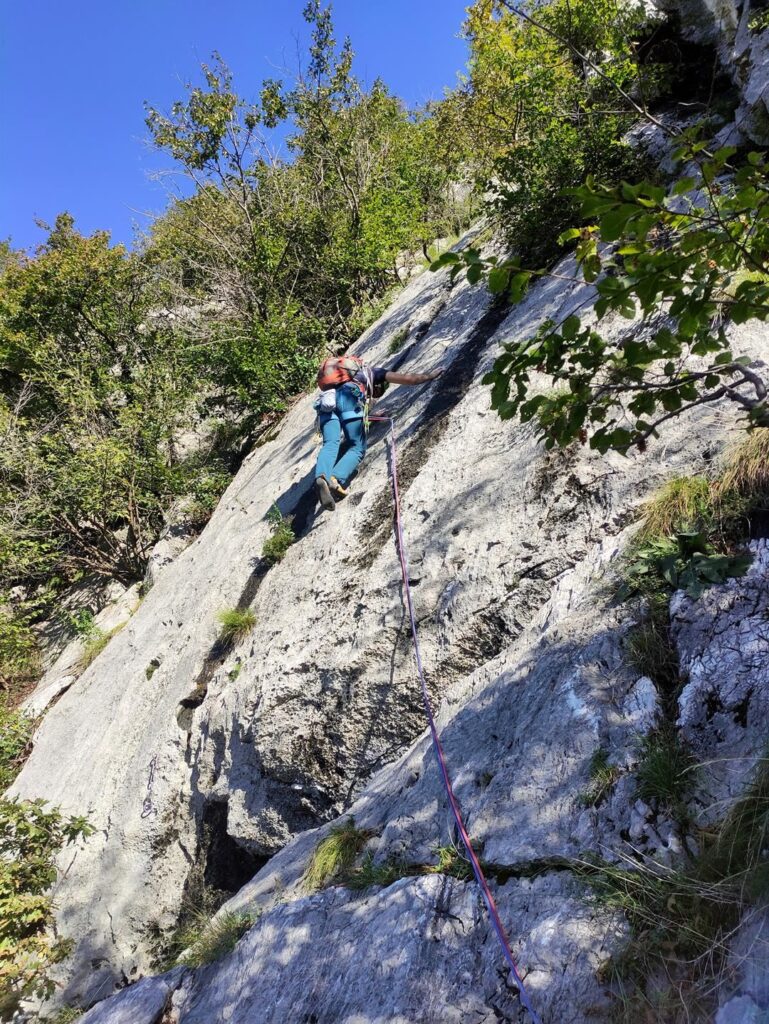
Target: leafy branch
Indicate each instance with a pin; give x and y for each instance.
(683, 263)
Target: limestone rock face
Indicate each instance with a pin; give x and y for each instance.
(723, 640)
(740, 36)
(190, 758)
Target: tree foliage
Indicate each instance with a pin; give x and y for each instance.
(543, 118)
(30, 837)
(682, 263)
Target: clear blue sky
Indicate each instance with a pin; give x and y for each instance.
(74, 75)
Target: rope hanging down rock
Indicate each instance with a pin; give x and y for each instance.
(453, 803)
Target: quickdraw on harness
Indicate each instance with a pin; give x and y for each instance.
(440, 757)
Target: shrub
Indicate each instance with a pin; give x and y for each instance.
(30, 838)
(282, 536)
(15, 735)
(236, 623)
(19, 656)
(334, 856)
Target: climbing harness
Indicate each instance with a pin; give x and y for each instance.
(453, 803)
(148, 807)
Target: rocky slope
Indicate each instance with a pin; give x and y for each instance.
(196, 761)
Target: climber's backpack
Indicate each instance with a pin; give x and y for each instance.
(338, 370)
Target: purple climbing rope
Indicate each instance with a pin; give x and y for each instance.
(453, 803)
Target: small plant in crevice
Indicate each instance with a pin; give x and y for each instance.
(205, 940)
(235, 624)
(95, 642)
(651, 650)
(335, 855)
(281, 538)
(368, 873)
(685, 562)
(603, 775)
(397, 340)
(666, 770)
(66, 1015)
(451, 861)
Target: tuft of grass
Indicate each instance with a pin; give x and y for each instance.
(603, 775)
(235, 623)
(206, 940)
(451, 862)
(281, 538)
(739, 849)
(96, 640)
(397, 341)
(66, 1015)
(651, 650)
(369, 873)
(335, 855)
(666, 769)
(15, 736)
(682, 921)
(746, 470)
(684, 503)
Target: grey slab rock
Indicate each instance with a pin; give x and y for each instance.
(742, 1010)
(234, 754)
(142, 1003)
(420, 950)
(69, 664)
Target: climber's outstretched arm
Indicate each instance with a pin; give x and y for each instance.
(411, 378)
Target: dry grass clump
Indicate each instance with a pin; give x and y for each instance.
(334, 856)
(746, 470)
(682, 503)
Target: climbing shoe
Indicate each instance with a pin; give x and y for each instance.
(325, 496)
(336, 488)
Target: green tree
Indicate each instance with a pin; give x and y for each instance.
(684, 262)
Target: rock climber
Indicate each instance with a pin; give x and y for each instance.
(348, 385)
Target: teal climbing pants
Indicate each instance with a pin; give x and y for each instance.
(343, 430)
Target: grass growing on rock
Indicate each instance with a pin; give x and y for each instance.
(95, 642)
(682, 920)
(666, 770)
(603, 775)
(397, 341)
(335, 855)
(66, 1015)
(205, 940)
(281, 537)
(235, 624)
